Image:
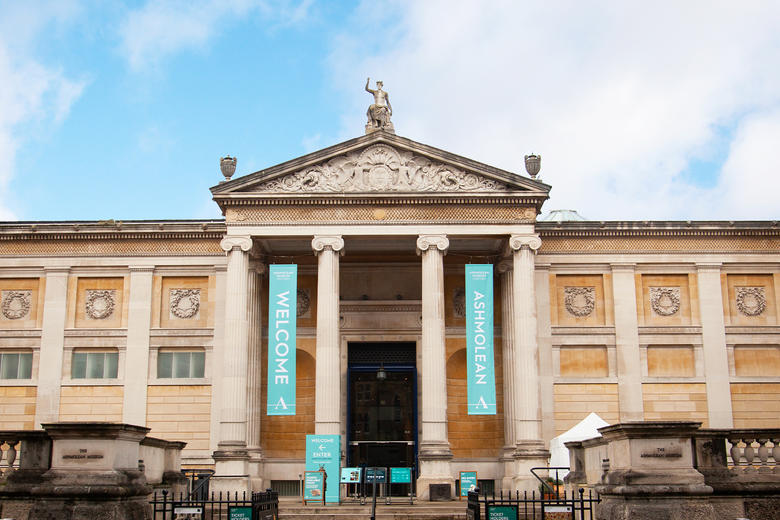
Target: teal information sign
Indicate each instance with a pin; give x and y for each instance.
(401, 475)
(501, 512)
(324, 452)
(239, 512)
(282, 307)
(350, 475)
(313, 485)
(480, 368)
(468, 482)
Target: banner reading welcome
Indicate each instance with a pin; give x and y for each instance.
(480, 367)
(282, 311)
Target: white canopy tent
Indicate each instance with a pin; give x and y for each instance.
(585, 429)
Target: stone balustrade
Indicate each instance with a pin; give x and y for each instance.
(648, 469)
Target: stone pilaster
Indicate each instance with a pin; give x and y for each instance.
(139, 321)
(530, 451)
(544, 342)
(47, 402)
(504, 269)
(231, 455)
(327, 397)
(629, 363)
(254, 375)
(713, 335)
(434, 450)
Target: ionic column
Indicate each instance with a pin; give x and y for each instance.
(434, 452)
(507, 347)
(629, 363)
(530, 446)
(713, 335)
(327, 396)
(233, 423)
(139, 320)
(47, 400)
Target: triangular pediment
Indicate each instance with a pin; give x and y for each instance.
(379, 163)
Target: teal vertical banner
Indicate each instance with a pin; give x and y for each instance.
(282, 309)
(480, 366)
(324, 452)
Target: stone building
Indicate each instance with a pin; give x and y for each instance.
(164, 323)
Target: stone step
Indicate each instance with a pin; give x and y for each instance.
(418, 511)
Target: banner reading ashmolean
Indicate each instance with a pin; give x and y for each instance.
(282, 307)
(480, 367)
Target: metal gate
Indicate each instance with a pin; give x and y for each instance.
(217, 506)
(531, 507)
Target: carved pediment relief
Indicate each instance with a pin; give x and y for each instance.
(380, 168)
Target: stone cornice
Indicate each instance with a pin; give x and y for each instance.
(114, 230)
(660, 229)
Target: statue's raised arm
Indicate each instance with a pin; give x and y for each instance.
(380, 111)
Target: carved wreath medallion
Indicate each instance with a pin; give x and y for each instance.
(665, 301)
(751, 301)
(184, 303)
(303, 303)
(381, 168)
(16, 304)
(579, 301)
(459, 302)
(100, 303)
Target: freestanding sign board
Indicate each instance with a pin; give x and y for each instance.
(468, 482)
(480, 367)
(313, 486)
(323, 452)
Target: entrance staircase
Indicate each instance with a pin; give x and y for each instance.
(293, 510)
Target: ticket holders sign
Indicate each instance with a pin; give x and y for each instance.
(468, 482)
(282, 298)
(323, 452)
(314, 486)
(494, 512)
(480, 366)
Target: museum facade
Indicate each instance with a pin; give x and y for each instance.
(165, 323)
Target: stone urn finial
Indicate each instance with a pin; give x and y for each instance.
(228, 166)
(533, 164)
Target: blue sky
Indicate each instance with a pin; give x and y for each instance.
(122, 110)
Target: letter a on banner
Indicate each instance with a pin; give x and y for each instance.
(480, 367)
(282, 313)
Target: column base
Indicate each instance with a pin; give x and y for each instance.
(255, 468)
(435, 470)
(528, 454)
(231, 468)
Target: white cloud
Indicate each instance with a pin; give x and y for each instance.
(161, 28)
(618, 98)
(30, 92)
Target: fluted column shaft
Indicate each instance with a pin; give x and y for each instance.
(254, 362)
(233, 423)
(526, 358)
(432, 248)
(508, 355)
(327, 400)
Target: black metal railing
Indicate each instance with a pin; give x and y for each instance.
(525, 506)
(217, 506)
(198, 481)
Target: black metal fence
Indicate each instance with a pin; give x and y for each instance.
(217, 506)
(531, 507)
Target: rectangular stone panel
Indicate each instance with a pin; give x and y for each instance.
(91, 403)
(180, 413)
(757, 360)
(573, 402)
(675, 402)
(750, 300)
(671, 361)
(584, 362)
(666, 300)
(756, 405)
(21, 300)
(17, 407)
(99, 303)
(579, 300)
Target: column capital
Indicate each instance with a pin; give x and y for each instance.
(505, 266)
(425, 242)
(709, 266)
(231, 242)
(623, 266)
(333, 242)
(516, 242)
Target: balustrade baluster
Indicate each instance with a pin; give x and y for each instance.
(735, 452)
(11, 455)
(776, 452)
(750, 453)
(2, 455)
(763, 454)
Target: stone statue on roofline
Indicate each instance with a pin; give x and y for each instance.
(380, 111)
